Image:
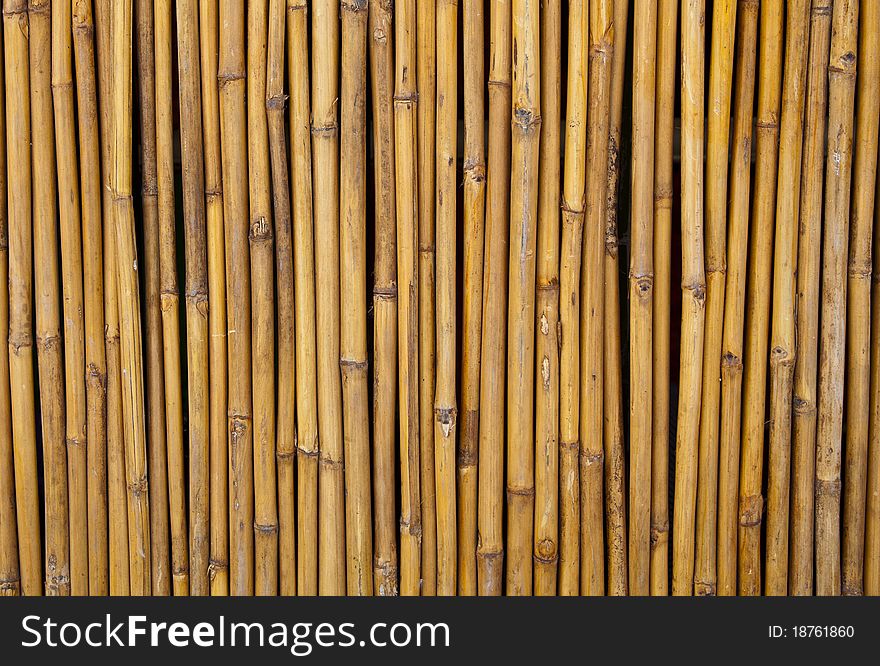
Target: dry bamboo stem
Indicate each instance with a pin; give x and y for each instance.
(664, 121)
(406, 187)
(592, 452)
(20, 341)
(384, 301)
(426, 78)
(218, 571)
(859, 302)
(231, 77)
(641, 290)
(47, 292)
(352, 289)
(832, 342)
(285, 429)
(170, 299)
(758, 296)
(304, 300)
(693, 290)
(325, 147)
(615, 474)
(474, 204)
(872, 508)
(734, 297)
(800, 565)
(717, 141)
(573, 188)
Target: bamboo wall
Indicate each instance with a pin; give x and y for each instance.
(503, 297)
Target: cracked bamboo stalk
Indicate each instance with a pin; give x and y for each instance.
(800, 565)
(490, 544)
(285, 429)
(734, 297)
(197, 353)
(664, 121)
(859, 302)
(615, 463)
(546, 534)
(47, 290)
(717, 159)
(641, 282)
(572, 203)
(426, 79)
(304, 301)
(218, 571)
(160, 560)
(231, 77)
(693, 293)
(832, 341)
(71, 293)
(406, 186)
(872, 508)
(169, 297)
(474, 204)
(758, 286)
(384, 300)
(353, 297)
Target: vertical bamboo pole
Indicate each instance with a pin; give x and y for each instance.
(800, 565)
(872, 508)
(407, 191)
(231, 77)
(832, 341)
(285, 429)
(218, 571)
(20, 341)
(717, 141)
(325, 147)
(304, 301)
(859, 302)
(573, 188)
(170, 299)
(664, 121)
(353, 298)
(734, 296)
(758, 284)
(426, 78)
(641, 279)
(615, 473)
(474, 220)
(490, 543)
(384, 301)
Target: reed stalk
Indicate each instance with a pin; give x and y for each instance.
(384, 300)
(832, 341)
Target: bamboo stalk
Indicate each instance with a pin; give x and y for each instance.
(325, 147)
(800, 566)
(407, 191)
(872, 509)
(426, 78)
(384, 301)
(218, 571)
(170, 299)
(615, 473)
(573, 188)
(859, 302)
(474, 213)
(304, 301)
(717, 158)
(734, 297)
(758, 283)
(231, 77)
(641, 289)
(664, 129)
(20, 340)
(352, 289)
(285, 430)
(832, 341)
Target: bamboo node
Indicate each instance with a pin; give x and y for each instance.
(663, 197)
(643, 283)
(526, 119)
(500, 84)
(353, 5)
(573, 446)
(328, 463)
(19, 340)
(284, 456)
(10, 586)
(732, 362)
(76, 441)
(261, 231)
(406, 99)
(819, 9)
(265, 529)
(49, 342)
(780, 356)
(445, 417)
(215, 566)
(224, 79)
(474, 171)
(352, 365)
(214, 194)
(276, 102)
(659, 532)
(848, 589)
(802, 406)
(325, 130)
(386, 573)
(385, 293)
(546, 552)
(513, 491)
(860, 272)
(294, 6)
(138, 487)
(704, 588)
(828, 488)
(751, 509)
(413, 527)
(592, 457)
(698, 292)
